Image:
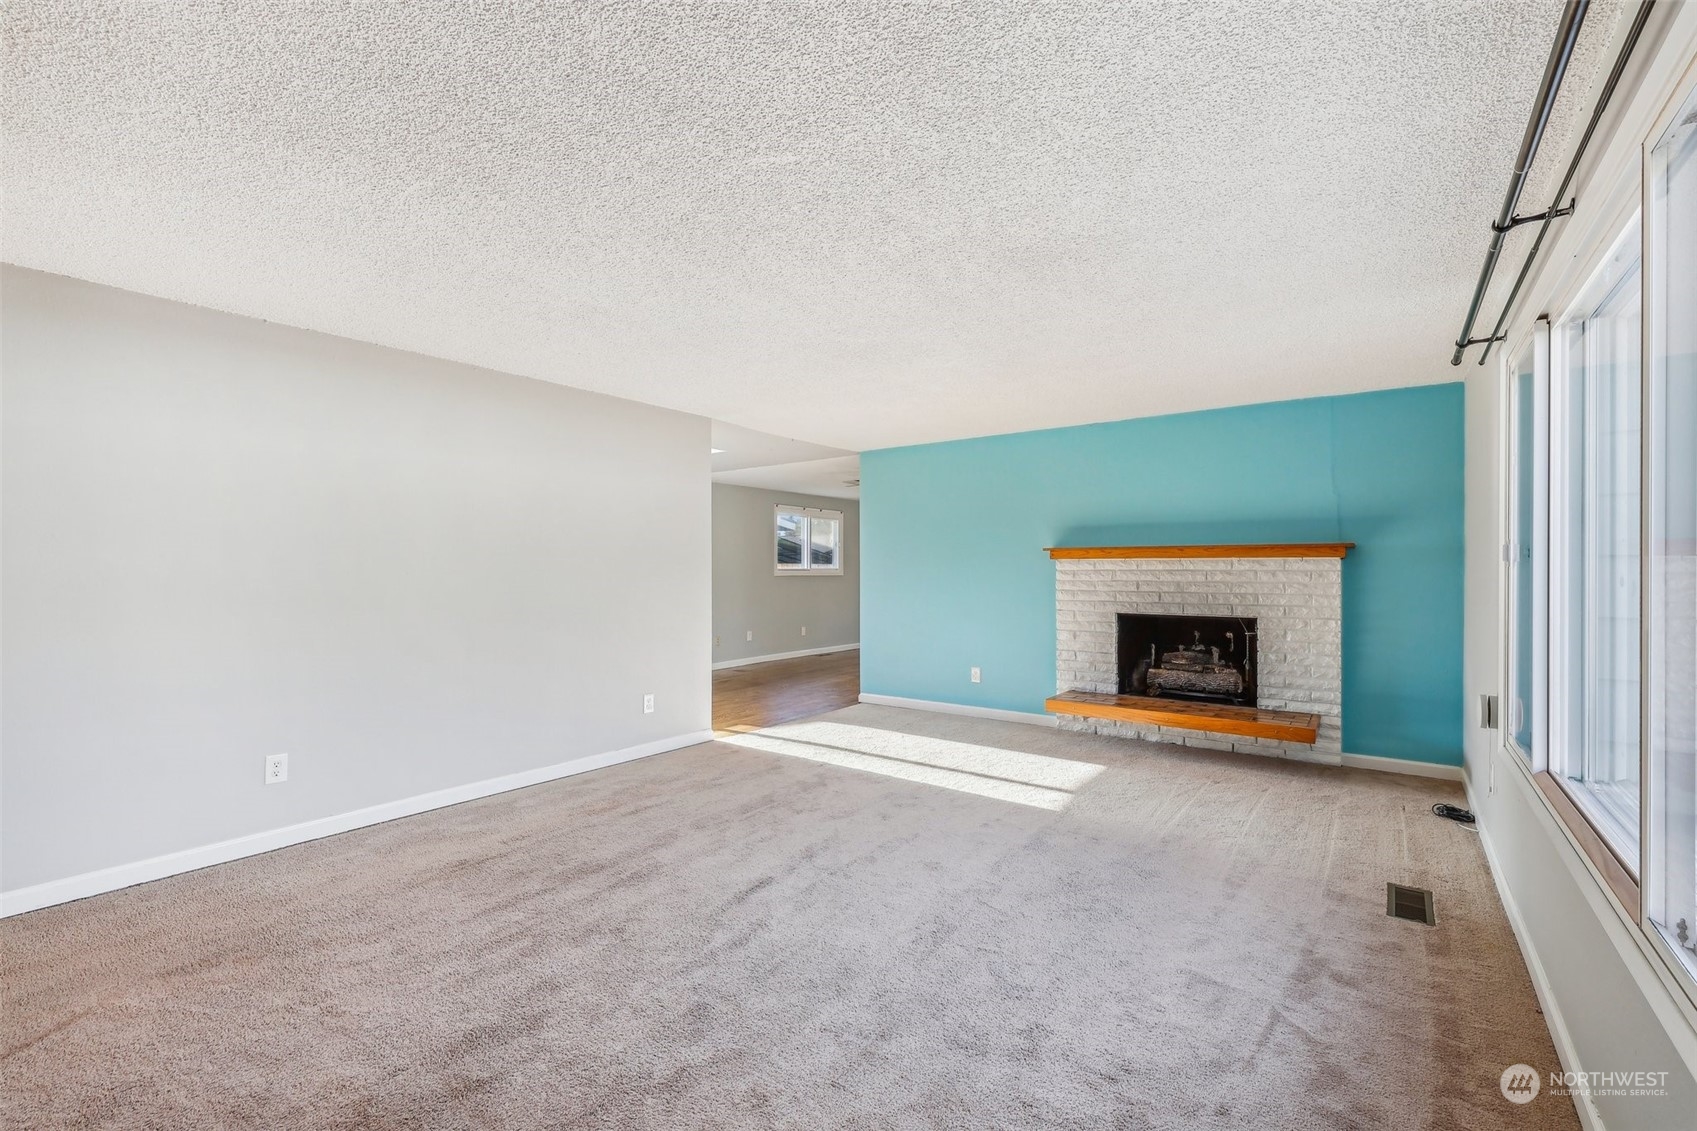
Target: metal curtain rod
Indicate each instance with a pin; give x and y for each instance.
(1567, 34)
(1626, 47)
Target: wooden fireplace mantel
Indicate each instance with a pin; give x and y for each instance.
(1287, 726)
(1260, 550)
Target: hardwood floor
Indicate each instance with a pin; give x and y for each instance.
(781, 690)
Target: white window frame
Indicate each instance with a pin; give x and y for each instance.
(1564, 749)
(1537, 758)
(807, 515)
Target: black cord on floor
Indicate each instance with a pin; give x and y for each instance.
(1454, 813)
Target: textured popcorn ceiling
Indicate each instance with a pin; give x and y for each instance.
(856, 224)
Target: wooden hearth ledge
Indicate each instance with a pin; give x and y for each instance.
(1252, 722)
(1267, 550)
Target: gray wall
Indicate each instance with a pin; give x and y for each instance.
(747, 594)
(226, 538)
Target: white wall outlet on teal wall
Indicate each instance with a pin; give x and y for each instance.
(975, 676)
(751, 634)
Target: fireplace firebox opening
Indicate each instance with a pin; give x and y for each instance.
(1206, 659)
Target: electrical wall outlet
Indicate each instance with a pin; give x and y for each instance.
(751, 634)
(804, 630)
(648, 704)
(276, 768)
(715, 642)
(975, 676)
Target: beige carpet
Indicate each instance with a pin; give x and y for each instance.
(883, 919)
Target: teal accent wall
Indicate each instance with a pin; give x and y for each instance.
(954, 575)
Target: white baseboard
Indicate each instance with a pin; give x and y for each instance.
(1402, 766)
(1359, 761)
(1565, 1051)
(158, 867)
(747, 660)
(1005, 716)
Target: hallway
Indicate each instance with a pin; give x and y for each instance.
(762, 695)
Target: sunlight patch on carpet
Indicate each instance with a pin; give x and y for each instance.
(985, 771)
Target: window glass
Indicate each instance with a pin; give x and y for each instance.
(792, 536)
(1671, 609)
(1595, 533)
(823, 543)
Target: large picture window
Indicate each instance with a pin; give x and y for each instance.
(1600, 553)
(1670, 728)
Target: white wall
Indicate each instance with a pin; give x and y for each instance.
(748, 596)
(225, 538)
(1603, 999)
(1610, 1003)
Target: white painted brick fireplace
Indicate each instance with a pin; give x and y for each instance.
(1298, 606)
